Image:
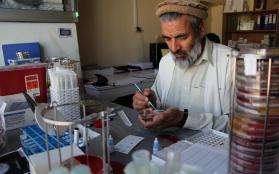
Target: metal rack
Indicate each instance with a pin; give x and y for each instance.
(48, 117)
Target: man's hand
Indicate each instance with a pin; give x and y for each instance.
(140, 102)
(162, 120)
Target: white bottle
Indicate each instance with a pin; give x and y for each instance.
(76, 136)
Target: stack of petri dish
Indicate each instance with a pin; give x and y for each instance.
(254, 146)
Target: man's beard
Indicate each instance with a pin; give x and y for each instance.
(185, 59)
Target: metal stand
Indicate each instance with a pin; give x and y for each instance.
(267, 113)
(105, 137)
(51, 118)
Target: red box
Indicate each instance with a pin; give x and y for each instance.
(24, 78)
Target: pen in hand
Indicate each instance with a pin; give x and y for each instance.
(149, 102)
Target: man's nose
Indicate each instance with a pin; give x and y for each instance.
(174, 46)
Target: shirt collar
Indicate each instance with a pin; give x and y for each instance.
(206, 54)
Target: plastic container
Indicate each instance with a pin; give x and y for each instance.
(69, 96)
(2, 125)
(141, 159)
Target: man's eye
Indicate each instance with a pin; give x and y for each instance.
(167, 39)
(181, 38)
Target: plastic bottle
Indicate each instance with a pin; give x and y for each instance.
(110, 144)
(76, 136)
(156, 146)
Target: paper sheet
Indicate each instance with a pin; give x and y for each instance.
(128, 143)
(209, 160)
(250, 64)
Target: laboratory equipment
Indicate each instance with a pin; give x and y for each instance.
(124, 118)
(142, 164)
(149, 102)
(64, 62)
(141, 159)
(17, 112)
(111, 144)
(2, 124)
(156, 146)
(76, 136)
(211, 137)
(64, 90)
(49, 117)
(254, 145)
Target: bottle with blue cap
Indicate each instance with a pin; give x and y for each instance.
(110, 144)
(156, 146)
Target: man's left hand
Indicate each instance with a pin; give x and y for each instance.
(172, 117)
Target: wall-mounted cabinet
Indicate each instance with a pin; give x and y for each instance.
(46, 11)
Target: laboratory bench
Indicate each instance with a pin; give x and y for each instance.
(118, 130)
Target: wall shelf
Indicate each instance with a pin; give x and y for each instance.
(11, 15)
(231, 22)
(70, 8)
(251, 12)
(253, 31)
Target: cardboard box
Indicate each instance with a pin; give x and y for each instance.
(24, 78)
(17, 113)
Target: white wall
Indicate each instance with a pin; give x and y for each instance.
(45, 33)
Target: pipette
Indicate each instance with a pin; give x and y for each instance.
(149, 102)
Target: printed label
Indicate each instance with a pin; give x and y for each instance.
(32, 84)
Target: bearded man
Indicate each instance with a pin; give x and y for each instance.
(194, 81)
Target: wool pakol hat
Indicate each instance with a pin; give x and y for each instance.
(187, 7)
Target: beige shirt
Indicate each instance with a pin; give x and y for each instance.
(188, 91)
(187, 87)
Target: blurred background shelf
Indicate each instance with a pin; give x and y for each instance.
(13, 15)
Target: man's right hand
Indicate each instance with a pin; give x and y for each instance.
(140, 102)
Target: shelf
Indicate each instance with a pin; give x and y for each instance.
(12, 15)
(251, 12)
(253, 31)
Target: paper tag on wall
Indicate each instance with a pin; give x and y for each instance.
(32, 84)
(250, 64)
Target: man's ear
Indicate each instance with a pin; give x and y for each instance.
(202, 29)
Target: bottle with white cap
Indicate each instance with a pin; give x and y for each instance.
(156, 146)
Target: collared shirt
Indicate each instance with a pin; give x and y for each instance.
(206, 54)
(188, 91)
(187, 87)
